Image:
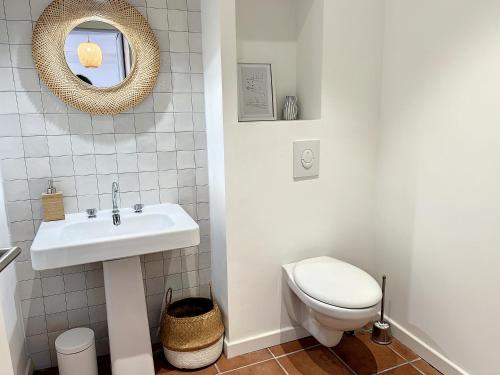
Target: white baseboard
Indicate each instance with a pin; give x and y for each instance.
(264, 340)
(425, 351)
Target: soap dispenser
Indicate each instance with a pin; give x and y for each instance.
(53, 204)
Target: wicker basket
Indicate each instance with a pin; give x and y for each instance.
(191, 332)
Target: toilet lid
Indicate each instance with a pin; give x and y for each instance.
(337, 283)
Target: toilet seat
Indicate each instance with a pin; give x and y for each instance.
(336, 283)
(320, 278)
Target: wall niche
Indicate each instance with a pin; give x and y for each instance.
(288, 34)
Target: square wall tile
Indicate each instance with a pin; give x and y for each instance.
(21, 56)
(194, 5)
(157, 18)
(11, 125)
(59, 145)
(179, 41)
(52, 285)
(180, 62)
(6, 80)
(36, 147)
(38, 167)
(19, 31)
(14, 169)
(177, 20)
(156, 3)
(54, 304)
(177, 4)
(26, 79)
(9, 103)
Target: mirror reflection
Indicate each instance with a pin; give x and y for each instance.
(98, 54)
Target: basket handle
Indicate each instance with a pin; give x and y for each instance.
(164, 306)
(211, 293)
(168, 298)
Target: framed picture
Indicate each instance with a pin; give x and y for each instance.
(256, 99)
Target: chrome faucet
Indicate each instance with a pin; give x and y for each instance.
(114, 197)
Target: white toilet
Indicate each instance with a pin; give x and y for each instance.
(327, 297)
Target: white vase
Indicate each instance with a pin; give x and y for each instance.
(290, 108)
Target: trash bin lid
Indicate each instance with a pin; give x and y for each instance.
(74, 341)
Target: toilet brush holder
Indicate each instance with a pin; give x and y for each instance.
(381, 332)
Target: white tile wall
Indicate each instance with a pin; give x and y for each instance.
(157, 152)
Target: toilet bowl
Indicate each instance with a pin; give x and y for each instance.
(327, 297)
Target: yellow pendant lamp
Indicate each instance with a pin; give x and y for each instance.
(90, 54)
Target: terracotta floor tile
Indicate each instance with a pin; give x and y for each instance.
(402, 350)
(314, 361)
(265, 368)
(293, 346)
(426, 368)
(403, 370)
(364, 356)
(225, 364)
(162, 367)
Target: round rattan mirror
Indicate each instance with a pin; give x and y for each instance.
(73, 40)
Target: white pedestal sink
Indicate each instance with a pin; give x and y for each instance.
(80, 240)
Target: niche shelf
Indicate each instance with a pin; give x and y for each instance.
(288, 34)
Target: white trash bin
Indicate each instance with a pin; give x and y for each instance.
(76, 353)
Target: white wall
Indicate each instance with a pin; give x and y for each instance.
(310, 56)
(212, 40)
(439, 176)
(13, 358)
(437, 208)
(270, 219)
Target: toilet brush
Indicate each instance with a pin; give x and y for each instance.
(381, 333)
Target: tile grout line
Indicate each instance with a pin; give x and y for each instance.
(407, 361)
(401, 355)
(296, 351)
(415, 367)
(217, 367)
(249, 365)
(393, 367)
(279, 363)
(341, 361)
(190, 73)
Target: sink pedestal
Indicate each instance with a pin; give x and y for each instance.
(129, 340)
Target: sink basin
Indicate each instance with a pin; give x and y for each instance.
(80, 240)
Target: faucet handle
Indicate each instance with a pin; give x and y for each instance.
(138, 208)
(91, 213)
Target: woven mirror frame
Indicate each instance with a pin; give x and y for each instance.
(49, 37)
